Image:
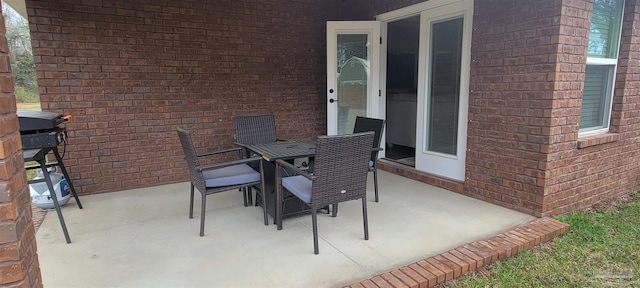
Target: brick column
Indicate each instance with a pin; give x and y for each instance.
(18, 259)
(512, 100)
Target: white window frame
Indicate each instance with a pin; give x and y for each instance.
(597, 61)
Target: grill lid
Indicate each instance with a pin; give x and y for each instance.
(31, 121)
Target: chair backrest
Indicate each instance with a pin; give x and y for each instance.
(191, 156)
(365, 124)
(341, 167)
(256, 129)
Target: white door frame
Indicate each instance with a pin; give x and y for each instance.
(373, 28)
(443, 165)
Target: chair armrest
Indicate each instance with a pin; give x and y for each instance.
(226, 164)
(235, 149)
(294, 168)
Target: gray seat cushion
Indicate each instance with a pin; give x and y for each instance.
(231, 175)
(299, 186)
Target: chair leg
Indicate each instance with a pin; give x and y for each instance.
(278, 212)
(314, 220)
(202, 211)
(264, 206)
(375, 182)
(263, 189)
(244, 195)
(256, 201)
(191, 203)
(249, 196)
(334, 210)
(364, 218)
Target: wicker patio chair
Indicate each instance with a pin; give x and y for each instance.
(219, 177)
(365, 124)
(254, 129)
(340, 174)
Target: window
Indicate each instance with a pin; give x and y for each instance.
(602, 58)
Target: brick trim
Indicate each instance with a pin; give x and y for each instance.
(468, 258)
(594, 140)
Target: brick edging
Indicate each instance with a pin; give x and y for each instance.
(454, 263)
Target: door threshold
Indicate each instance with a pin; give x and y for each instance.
(408, 161)
(411, 173)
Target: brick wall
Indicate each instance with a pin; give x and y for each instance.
(565, 172)
(131, 71)
(18, 260)
(527, 76)
(511, 100)
(368, 9)
(583, 171)
(526, 87)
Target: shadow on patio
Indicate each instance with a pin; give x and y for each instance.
(143, 238)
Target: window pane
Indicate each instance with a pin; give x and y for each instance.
(353, 75)
(444, 98)
(596, 96)
(605, 28)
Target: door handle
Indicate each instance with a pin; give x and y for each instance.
(332, 100)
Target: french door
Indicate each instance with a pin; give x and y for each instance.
(356, 59)
(443, 89)
(353, 69)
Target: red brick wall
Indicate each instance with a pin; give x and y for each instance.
(510, 99)
(18, 260)
(526, 89)
(368, 9)
(583, 171)
(514, 50)
(527, 76)
(131, 71)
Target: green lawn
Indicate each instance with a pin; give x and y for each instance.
(600, 249)
(29, 106)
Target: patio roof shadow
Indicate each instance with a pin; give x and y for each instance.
(143, 238)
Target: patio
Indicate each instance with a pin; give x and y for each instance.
(143, 238)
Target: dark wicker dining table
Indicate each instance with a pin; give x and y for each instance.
(287, 150)
(284, 150)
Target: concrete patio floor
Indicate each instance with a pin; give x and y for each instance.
(143, 238)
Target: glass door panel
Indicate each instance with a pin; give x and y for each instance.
(443, 89)
(353, 57)
(444, 83)
(352, 78)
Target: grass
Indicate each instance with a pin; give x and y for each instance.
(29, 106)
(600, 249)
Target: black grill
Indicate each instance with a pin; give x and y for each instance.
(41, 129)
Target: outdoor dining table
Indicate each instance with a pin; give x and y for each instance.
(287, 150)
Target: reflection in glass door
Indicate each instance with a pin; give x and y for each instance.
(352, 79)
(353, 64)
(444, 87)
